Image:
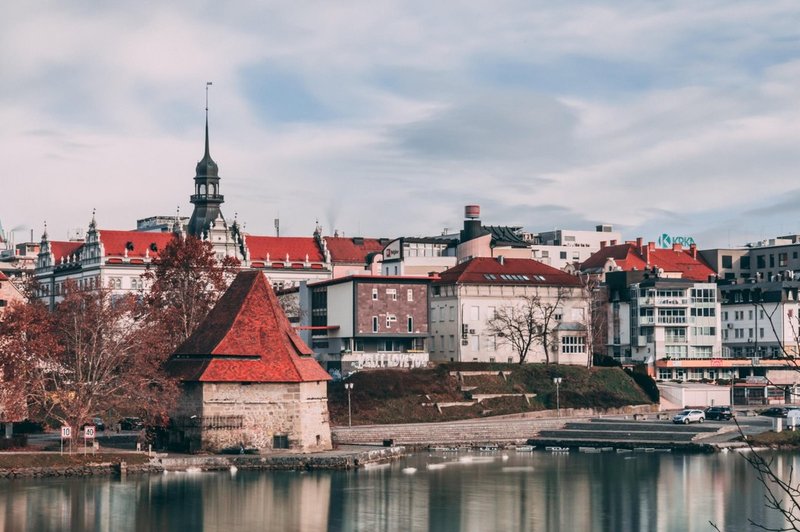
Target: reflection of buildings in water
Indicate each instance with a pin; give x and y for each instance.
(275, 499)
(721, 488)
(379, 498)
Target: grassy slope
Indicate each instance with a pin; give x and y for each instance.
(14, 460)
(392, 396)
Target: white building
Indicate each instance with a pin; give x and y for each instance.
(662, 322)
(465, 297)
(562, 247)
(419, 256)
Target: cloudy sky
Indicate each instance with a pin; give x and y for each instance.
(385, 117)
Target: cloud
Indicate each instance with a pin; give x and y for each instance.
(390, 116)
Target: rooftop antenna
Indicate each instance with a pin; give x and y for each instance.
(278, 226)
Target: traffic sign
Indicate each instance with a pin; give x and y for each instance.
(88, 432)
(66, 432)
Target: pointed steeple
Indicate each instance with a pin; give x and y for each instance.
(206, 197)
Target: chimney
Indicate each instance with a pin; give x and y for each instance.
(645, 251)
(651, 246)
(472, 224)
(639, 243)
(501, 259)
(676, 246)
(693, 250)
(603, 244)
(613, 243)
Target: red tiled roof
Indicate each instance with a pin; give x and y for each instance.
(298, 247)
(115, 242)
(64, 249)
(624, 255)
(246, 338)
(352, 250)
(673, 260)
(3, 277)
(487, 270)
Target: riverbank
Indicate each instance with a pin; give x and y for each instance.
(49, 464)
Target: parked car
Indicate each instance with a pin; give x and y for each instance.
(722, 413)
(97, 422)
(689, 416)
(775, 411)
(131, 423)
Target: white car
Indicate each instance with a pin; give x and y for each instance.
(689, 416)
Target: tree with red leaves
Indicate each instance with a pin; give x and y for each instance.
(185, 283)
(93, 353)
(25, 338)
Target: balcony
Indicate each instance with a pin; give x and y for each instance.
(216, 198)
(664, 301)
(672, 320)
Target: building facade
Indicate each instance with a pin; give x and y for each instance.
(653, 320)
(467, 296)
(248, 380)
(360, 322)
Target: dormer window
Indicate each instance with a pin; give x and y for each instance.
(129, 245)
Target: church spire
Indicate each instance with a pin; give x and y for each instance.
(206, 197)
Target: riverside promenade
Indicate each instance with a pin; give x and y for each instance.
(622, 430)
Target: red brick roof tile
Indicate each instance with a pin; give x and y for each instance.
(629, 256)
(115, 242)
(352, 250)
(246, 338)
(64, 249)
(487, 270)
(298, 248)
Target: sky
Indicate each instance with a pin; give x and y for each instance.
(384, 118)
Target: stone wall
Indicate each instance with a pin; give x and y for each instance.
(217, 416)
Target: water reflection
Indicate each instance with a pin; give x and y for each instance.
(539, 491)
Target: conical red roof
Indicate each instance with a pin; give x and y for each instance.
(246, 338)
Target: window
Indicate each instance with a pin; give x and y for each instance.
(727, 261)
(374, 294)
(452, 341)
(761, 262)
(771, 260)
(573, 344)
(491, 343)
(563, 254)
(761, 332)
(374, 323)
(452, 313)
(474, 313)
(280, 441)
(744, 262)
(409, 295)
(390, 319)
(392, 292)
(410, 324)
(664, 374)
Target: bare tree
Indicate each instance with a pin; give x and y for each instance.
(531, 321)
(595, 321)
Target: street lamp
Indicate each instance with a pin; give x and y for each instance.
(557, 381)
(349, 387)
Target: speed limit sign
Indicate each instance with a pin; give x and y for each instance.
(88, 432)
(66, 432)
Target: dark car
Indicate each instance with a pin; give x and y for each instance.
(131, 423)
(722, 413)
(97, 422)
(775, 411)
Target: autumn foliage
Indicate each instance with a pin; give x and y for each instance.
(99, 352)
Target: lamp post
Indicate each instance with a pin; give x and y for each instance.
(349, 387)
(557, 381)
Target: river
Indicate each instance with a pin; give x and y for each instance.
(505, 490)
